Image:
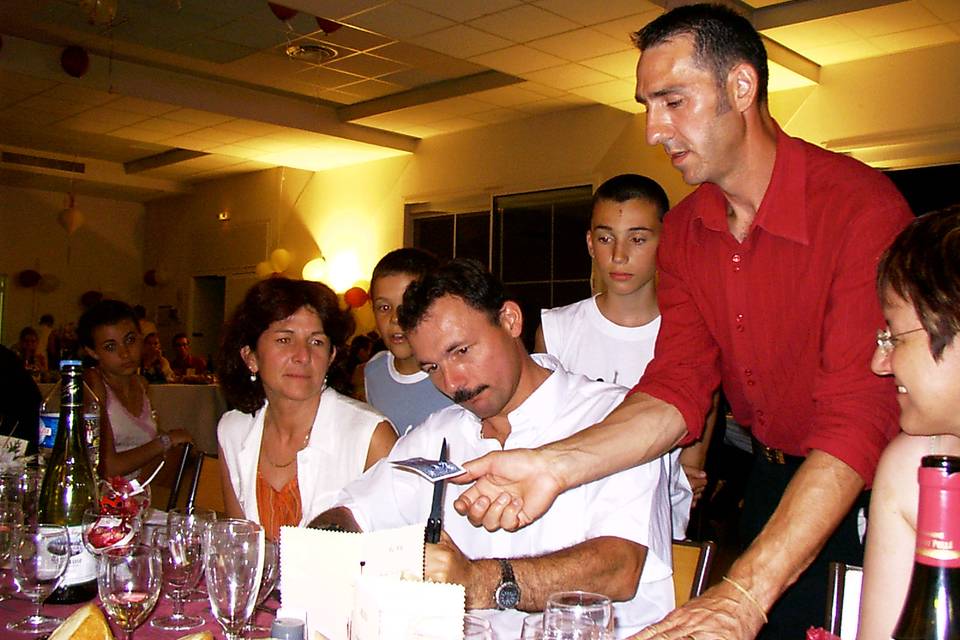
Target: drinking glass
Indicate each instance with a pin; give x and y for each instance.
(578, 605)
(22, 486)
(128, 580)
(443, 627)
(532, 627)
(566, 625)
(40, 555)
(234, 566)
(11, 519)
(204, 517)
(271, 572)
(181, 546)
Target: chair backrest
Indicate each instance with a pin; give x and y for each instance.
(205, 490)
(691, 568)
(843, 599)
(165, 488)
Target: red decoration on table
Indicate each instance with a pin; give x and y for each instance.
(819, 633)
(75, 61)
(356, 297)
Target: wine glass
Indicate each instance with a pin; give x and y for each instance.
(532, 628)
(181, 546)
(271, 572)
(204, 517)
(11, 519)
(102, 532)
(570, 606)
(234, 566)
(22, 486)
(128, 580)
(40, 556)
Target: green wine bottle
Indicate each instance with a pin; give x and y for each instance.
(69, 488)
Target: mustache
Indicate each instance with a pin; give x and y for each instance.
(465, 395)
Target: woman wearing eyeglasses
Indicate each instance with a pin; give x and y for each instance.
(918, 280)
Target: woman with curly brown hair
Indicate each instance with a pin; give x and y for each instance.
(292, 442)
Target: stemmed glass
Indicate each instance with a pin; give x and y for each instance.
(271, 572)
(204, 517)
(566, 608)
(128, 580)
(40, 556)
(11, 519)
(102, 532)
(234, 566)
(181, 546)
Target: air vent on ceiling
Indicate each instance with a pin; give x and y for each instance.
(43, 163)
(313, 53)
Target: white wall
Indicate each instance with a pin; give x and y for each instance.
(104, 254)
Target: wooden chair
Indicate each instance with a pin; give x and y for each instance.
(843, 599)
(165, 488)
(691, 568)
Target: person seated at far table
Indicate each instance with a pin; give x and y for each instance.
(30, 356)
(918, 280)
(129, 438)
(184, 363)
(293, 442)
(610, 536)
(153, 366)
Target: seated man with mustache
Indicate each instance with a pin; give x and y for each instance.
(611, 536)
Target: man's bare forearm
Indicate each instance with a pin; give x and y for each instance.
(641, 429)
(338, 518)
(816, 500)
(607, 565)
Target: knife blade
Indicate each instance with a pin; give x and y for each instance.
(435, 521)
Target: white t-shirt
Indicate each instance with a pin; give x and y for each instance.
(586, 342)
(632, 504)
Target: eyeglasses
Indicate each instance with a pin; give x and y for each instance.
(886, 341)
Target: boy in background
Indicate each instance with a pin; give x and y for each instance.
(394, 383)
(611, 335)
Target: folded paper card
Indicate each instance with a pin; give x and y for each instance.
(320, 574)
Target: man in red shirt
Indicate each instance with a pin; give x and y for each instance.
(766, 287)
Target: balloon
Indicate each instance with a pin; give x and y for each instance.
(327, 26)
(315, 270)
(161, 276)
(48, 283)
(75, 61)
(90, 298)
(28, 278)
(150, 277)
(264, 269)
(280, 260)
(283, 13)
(70, 219)
(356, 297)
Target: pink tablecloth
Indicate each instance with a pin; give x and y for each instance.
(14, 609)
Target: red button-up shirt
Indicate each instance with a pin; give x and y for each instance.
(787, 318)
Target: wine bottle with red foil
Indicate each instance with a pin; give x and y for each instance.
(932, 608)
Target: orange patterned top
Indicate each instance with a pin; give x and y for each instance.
(278, 508)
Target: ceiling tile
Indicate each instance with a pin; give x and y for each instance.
(407, 53)
(587, 13)
(844, 52)
(606, 92)
(139, 134)
(508, 96)
(581, 44)
(524, 23)
(370, 89)
(109, 115)
(358, 39)
(249, 35)
(630, 106)
(23, 84)
(169, 127)
(517, 59)
(622, 64)
(891, 18)
(462, 10)
(78, 123)
(498, 115)
(338, 96)
(461, 41)
(399, 21)
(366, 65)
(197, 117)
(61, 108)
(455, 124)
(138, 105)
(946, 10)
(221, 136)
(623, 28)
(568, 76)
(72, 92)
(915, 39)
(339, 9)
(814, 33)
(25, 115)
(325, 78)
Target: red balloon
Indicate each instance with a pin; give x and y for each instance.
(28, 278)
(150, 278)
(75, 61)
(90, 298)
(327, 26)
(356, 297)
(283, 13)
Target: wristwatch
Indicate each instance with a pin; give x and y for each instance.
(507, 595)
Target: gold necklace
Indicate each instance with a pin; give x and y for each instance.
(306, 440)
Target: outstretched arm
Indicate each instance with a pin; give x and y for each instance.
(514, 488)
(607, 565)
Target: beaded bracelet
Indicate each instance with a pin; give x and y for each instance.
(749, 596)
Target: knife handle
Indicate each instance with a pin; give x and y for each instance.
(432, 532)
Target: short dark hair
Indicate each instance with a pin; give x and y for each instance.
(177, 336)
(28, 331)
(722, 38)
(267, 302)
(630, 186)
(103, 313)
(407, 261)
(46, 319)
(922, 266)
(464, 278)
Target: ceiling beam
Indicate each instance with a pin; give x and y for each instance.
(456, 87)
(173, 156)
(796, 11)
(787, 57)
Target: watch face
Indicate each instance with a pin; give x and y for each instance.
(508, 595)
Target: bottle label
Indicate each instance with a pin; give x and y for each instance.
(938, 527)
(83, 564)
(48, 429)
